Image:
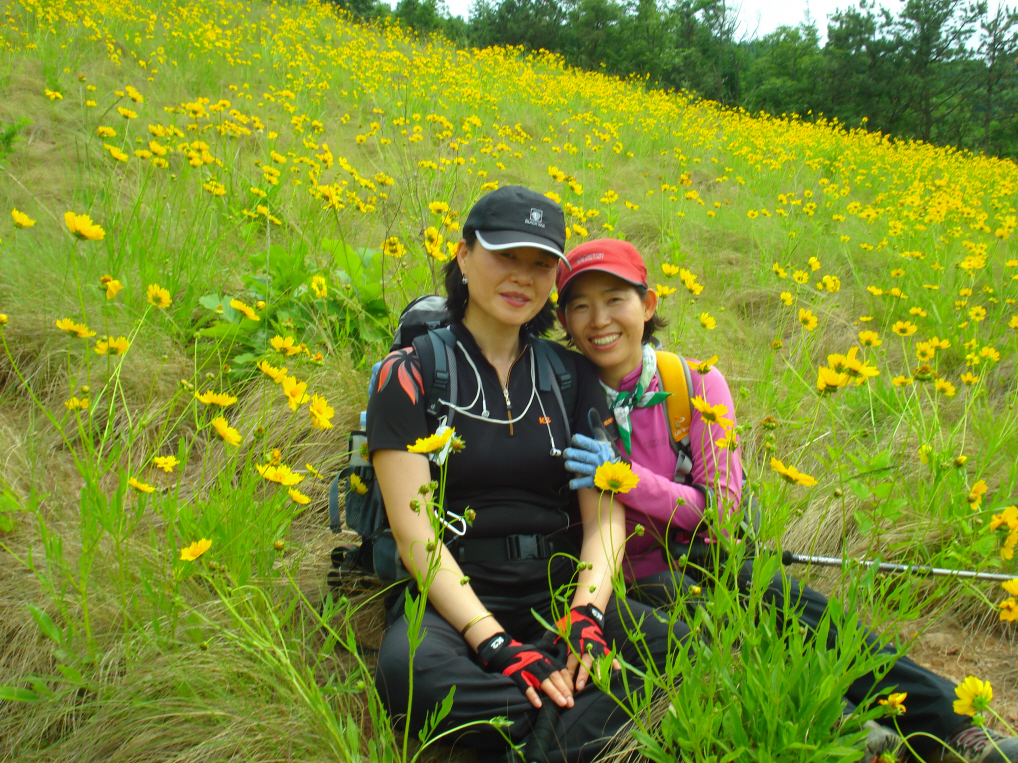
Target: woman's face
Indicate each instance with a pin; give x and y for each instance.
(605, 317)
(509, 286)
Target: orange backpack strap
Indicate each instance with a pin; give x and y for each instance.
(675, 378)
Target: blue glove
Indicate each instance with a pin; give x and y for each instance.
(585, 455)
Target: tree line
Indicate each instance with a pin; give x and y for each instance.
(937, 70)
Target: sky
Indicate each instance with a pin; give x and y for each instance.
(761, 17)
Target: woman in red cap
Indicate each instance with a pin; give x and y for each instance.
(480, 638)
(610, 315)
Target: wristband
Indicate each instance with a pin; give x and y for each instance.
(474, 621)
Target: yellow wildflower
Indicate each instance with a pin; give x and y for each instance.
(295, 392)
(80, 330)
(358, 484)
(431, 443)
(158, 296)
(321, 412)
(21, 219)
(297, 496)
(285, 345)
(246, 309)
(280, 474)
(230, 435)
(895, 703)
(166, 463)
(83, 227)
(807, 319)
(974, 696)
(617, 477)
(111, 346)
(196, 549)
(791, 474)
(215, 398)
(140, 486)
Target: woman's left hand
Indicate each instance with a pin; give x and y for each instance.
(582, 628)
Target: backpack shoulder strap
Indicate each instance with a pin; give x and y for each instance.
(676, 378)
(553, 376)
(435, 350)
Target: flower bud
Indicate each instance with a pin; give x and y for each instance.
(695, 590)
(838, 492)
(279, 545)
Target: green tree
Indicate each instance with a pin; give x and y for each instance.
(782, 71)
(998, 52)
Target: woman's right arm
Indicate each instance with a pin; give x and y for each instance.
(400, 476)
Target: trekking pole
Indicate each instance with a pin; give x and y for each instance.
(788, 558)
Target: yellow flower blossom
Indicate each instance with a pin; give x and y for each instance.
(276, 374)
(285, 345)
(247, 311)
(712, 414)
(112, 285)
(974, 696)
(321, 413)
(80, 330)
(21, 219)
(280, 474)
(295, 392)
(707, 321)
(166, 463)
(228, 434)
(298, 497)
(358, 484)
(895, 703)
(158, 296)
(140, 486)
(111, 346)
(791, 474)
(83, 227)
(616, 478)
(904, 328)
(196, 549)
(221, 399)
(432, 443)
(807, 319)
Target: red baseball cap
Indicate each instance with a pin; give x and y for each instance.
(607, 255)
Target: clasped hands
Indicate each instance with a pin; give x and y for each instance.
(533, 667)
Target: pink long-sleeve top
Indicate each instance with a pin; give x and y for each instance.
(657, 500)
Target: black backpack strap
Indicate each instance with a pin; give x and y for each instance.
(436, 352)
(553, 376)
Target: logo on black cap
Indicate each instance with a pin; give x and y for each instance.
(536, 217)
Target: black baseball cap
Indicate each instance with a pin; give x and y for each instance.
(516, 216)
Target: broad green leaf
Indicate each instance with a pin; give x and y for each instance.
(17, 694)
(46, 624)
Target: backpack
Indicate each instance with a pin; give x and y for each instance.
(423, 325)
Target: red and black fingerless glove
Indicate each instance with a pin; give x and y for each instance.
(524, 663)
(583, 630)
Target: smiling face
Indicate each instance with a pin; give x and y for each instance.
(507, 287)
(605, 317)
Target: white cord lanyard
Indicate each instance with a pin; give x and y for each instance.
(485, 413)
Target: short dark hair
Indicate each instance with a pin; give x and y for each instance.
(651, 327)
(457, 295)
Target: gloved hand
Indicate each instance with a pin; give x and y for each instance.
(585, 635)
(585, 455)
(527, 665)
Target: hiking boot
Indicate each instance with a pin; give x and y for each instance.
(882, 744)
(972, 745)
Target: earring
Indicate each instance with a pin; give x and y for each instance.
(464, 280)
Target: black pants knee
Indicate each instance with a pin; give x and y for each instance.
(444, 660)
(930, 697)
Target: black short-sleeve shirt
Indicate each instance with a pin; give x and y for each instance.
(507, 475)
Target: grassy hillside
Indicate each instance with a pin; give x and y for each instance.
(267, 185)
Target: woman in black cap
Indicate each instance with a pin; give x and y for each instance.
(525, 397)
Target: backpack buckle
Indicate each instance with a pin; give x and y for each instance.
(518, 547)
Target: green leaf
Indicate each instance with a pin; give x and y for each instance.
(223, 331)
(211, 301)
(17, 694)
(46, 624)
(71, 674)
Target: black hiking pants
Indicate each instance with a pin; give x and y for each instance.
(930, 697)
(444, 659)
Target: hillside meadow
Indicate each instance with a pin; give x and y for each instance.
(212, 214)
